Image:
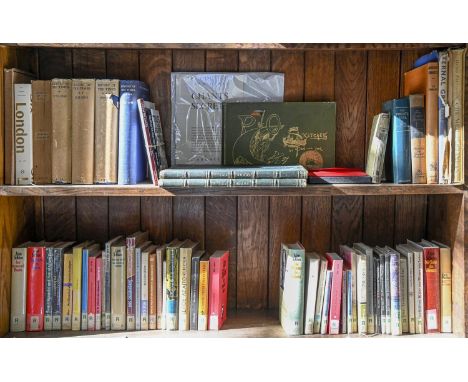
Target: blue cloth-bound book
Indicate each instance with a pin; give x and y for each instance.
(430, 57)
(132, 156)
(84, 289)
(400, 139)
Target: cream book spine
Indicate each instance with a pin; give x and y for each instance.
(76, 285)
(18, 289)
(118, 287)
(362, 293)
(326, 303)
(444, 111)
(419, 291)
(445, 287)
(67, 291)
(404, 294)
(311, 283)
(184, 287)
(320, 294)
(23, 134)
(405, 251)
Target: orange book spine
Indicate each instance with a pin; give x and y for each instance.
(432, 290)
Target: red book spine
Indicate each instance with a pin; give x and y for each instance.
(35, 289)
(217, 305)
(98, 292)
(432, 290)
(336, 266)
(92, 293)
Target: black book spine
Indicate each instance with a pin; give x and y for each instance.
(57, 277)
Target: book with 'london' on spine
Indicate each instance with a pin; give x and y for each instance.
(23, 134)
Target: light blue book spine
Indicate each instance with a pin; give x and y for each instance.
(401, 141)
(138, 289)
(395, 294)
(84, 290)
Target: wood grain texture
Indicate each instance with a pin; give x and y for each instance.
(254, 60)
(55, 63)
(122, 64)
(89, 63)
(221, 234)
(156, 218)
(252, 252)
(383, 74)
(285, 227)
(124, 215)
(188, 218)
(186, 60)
(92, 219)
(222, 61)
(346, 221)
(291, 63)
(461, 267)
(350, 95)
(319, 76)
(379, 220)
(410, 217)
(39, 216)
(27, 59)
(155, 70)
(59, 218)
(316, 223)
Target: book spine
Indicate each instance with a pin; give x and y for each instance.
(106, 131)
(395, 294)
(418, 139)
(370, 294)
(83, 97)
(362, 294)
(131, 284)
(57, 277)
(194, 282)
(35, 289)
(203, 296)
(432, 289)
(326, 303)
(344, 299)
(98, 321)
(76, 291)
(388, 297)
(444, 147)
(23, 134)
(214, 293)
(432, 123)
(118, 288)
(49, 287)
(411, 299)
(164, 295)
(172, 285)
(377, 293)
(91, 293)
(349, 302)
(320, 296)
(383, 328)
(149, 149)
(152, 292)
(138, 260)
(84, 289)
(446, 290)
(61, 104)
(184, 289)
(223, 308)
(18, 289)
(160, 148)
(377, 147)
(144, 292)
(335, 297)
(419, 291)
(401, 144)
(106, 287)
(310, 292)
(67, 299)
(404, 294)
(160, 285)
(42, 132)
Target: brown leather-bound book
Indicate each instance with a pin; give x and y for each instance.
(106, 131)
(61, 130)
(42, 132)
(425, 80)
(11, 77)
(83, 91)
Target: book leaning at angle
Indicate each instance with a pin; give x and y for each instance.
(377, 147)
(23, 134)
(291, 289)
(326, 303)
(217, 296)
(118, 284)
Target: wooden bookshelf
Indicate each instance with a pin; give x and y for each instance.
(251, 223)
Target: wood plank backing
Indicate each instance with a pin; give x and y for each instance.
(410, 217)
(285, 227)
(379, 220)
(60, 218)
(55, 63)
(222, 61)
(291, 63)
(319, 76)
(346, 221)
(92, 218)
(188, 216)
(156, 218)
(89, 63)
(221, 234)
(350, 95)
(316, 223)
(252, 252)
(155, 70)
(124, 215)
(122, 64)
(254, 60)
(188, 60)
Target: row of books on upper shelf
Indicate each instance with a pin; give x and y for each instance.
(367, 290)
(419, 138)
(130, 285)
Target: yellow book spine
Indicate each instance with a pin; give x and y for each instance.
(203, 296)
(184, 289)
(67, 291)
(446, 289)
(76, 289)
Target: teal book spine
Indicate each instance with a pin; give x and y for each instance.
(84, 289)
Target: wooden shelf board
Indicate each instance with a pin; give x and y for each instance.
(150, 190)
(240, 324)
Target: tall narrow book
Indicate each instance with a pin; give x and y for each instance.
(312, 271)
(48, 289)
(87, 252)
(444, 112)
(94, 254)
(203, 292)
(106, 283)
(67, 290)
(23, 134)
(172, 284)
(350, 262)
(406, 251)
(335, 265)
(361, 292)
(320, 294)
(77, 284)
(35, 291)
(118, 285)
(185, 263)
(418, 139)
(326, 303)
(377, 147)
(370, 311)
(217, 294)
(57, 283)
(139, 250)
(194, 289)
(99, 274)
(145, 286)
(445, 287)
(419, 298)
(152, 288)
(160, 286)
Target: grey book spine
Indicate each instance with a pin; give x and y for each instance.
(49, 287)
(376, 297)
(57, 278)
(194, 284)
(382, 293)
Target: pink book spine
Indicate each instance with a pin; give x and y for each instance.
(91, 293)
(336, 266)
(98, 293)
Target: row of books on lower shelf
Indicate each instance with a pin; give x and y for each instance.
(130, 285)
(367, 290)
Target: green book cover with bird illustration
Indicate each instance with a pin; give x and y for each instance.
(279, 133)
